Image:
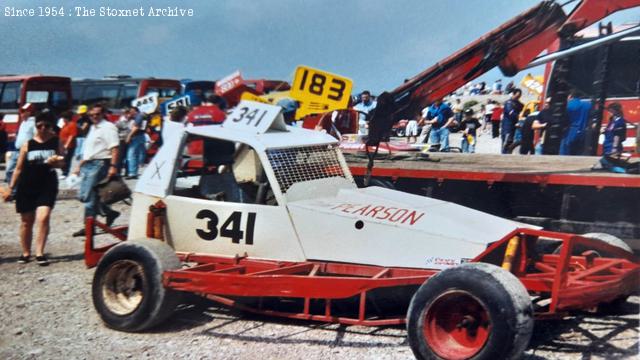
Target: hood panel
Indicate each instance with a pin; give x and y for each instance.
(396, 229)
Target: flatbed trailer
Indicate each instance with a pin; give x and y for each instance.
(561, 193)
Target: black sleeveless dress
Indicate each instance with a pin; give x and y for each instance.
(38, 182)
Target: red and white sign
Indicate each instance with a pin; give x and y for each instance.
(228, 82)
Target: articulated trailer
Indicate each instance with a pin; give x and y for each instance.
(560, 193)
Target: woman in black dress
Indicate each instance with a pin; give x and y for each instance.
(36, 185)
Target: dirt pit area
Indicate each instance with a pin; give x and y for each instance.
(47, 313)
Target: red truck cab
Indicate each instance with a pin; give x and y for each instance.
(52, 92)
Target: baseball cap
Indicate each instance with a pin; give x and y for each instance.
(82, 109)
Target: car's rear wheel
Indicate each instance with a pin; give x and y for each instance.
(473, 311)
(127, 286)
(600, 237)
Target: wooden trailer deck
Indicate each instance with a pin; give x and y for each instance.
(538, 169)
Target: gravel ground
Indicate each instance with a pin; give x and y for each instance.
(47, 313)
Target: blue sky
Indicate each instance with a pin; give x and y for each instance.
(375, 43)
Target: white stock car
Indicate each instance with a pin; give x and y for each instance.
(257, 209)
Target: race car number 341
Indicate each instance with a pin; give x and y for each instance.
(252, 116)
(230, 228)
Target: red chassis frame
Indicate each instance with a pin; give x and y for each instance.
(565, 282)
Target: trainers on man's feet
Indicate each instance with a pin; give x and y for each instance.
(24, 259)
(42, 260)
(111, 217)
(80, 232)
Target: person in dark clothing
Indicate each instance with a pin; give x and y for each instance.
(36, 184)
(517, 139)
(469, 126)
(510, 117)
(578, 118)
(527, 133)
(614, 135)
(540, 123)
(615, 132)
(67, 137)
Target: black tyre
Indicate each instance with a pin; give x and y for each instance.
(472, 311)
(400, 132)
(611, 240)
(127, 286)
(601, 237)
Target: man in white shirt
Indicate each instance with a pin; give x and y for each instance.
(99, 161)
(26, 131)
(364, 108)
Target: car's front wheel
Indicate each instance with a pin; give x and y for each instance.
(472, 311)
(127, 286)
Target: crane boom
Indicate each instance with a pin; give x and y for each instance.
(511, 47)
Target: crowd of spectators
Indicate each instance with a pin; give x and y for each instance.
(87, 144)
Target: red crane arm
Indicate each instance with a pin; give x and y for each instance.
(590, 11)
(511, 47)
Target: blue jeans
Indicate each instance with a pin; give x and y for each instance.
(11, 166)
(538, 149)
(91, 173)
(135, 154)
(440, 136)
(571, 144)
(507, 139)
(79, 143)
(466, 147)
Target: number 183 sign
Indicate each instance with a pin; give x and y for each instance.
(319, 91)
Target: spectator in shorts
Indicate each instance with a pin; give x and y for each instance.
(411, 131)
(36, 185)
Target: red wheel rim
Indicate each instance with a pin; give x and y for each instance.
(456, 325)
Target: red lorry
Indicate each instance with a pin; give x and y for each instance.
(53, 92)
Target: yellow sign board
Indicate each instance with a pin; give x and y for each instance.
(534, 84)
(318, 91)
(251, 97)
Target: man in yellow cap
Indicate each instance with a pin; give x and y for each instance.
(83, 123)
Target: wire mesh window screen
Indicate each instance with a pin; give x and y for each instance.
(299, 164)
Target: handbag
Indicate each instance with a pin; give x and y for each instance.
(113, 190)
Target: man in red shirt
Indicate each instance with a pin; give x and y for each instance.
(68, 135)
(496, 116)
